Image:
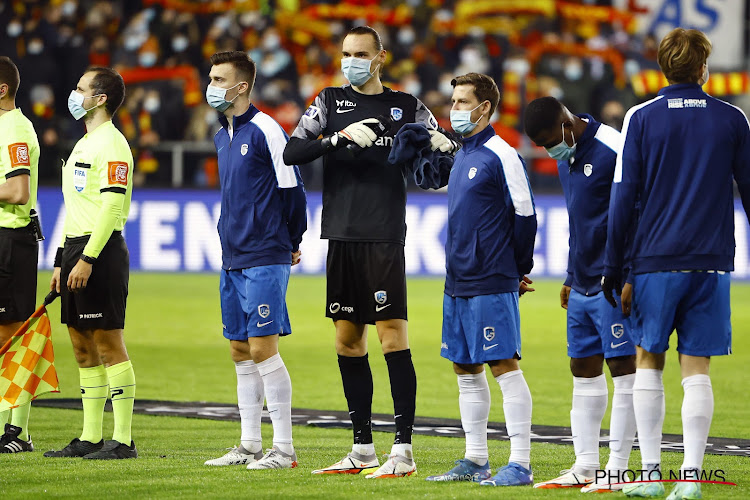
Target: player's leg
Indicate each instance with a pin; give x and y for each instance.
(15, 422)
(7, 329)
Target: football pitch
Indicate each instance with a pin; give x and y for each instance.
(173, 333)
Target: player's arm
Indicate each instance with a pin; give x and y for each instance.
(741, 167)
(524, 224)
(565, 290)
(441, 141)
(622, 205)
(16, 190)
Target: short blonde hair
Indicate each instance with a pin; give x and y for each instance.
(682, 54)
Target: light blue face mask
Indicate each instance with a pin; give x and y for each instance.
(562, 151)
(216, 97)
(357, 70)
(461, 120)
(75, 104)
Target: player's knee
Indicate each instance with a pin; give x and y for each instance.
(351, 347)
(588, 367)
(621, 365)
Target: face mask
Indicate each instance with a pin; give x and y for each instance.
(216, 97)
(14, 29)
(357, 70)
(147, 59)
(35, 47)
(180, 43)
(151, 104)
(562, 151)
(573, 72)
(461, 120)
(75, 104)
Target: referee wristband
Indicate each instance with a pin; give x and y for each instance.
(87, 259)
(58, 257)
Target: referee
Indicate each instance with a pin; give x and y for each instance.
(92, 265)
(19, 159)
(364, 206)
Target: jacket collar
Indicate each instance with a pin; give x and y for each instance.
(239, 121)
(585, 141)
(478, 140)
(681, 88)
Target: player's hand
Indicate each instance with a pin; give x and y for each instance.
(439, 141)
(360, 134)
(79, 276)
(296, 257)
(54, 283)
(564, 296)
(627, 299)
(610, 286)
(523, 286)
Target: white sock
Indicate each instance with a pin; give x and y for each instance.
(250, 401)
(278, 388)
(697, 411)
(474, 405)
(590, 396)
(517, 409)
(366, 450)
(621, 423)
(648, 406)
(403, 449)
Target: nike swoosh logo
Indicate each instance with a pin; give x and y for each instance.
(380, 308)
(488, 347)
(339, 111)
(260, 325)
(615, 346)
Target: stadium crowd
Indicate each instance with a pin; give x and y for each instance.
(162, 47)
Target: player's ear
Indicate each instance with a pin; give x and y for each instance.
(102, 99)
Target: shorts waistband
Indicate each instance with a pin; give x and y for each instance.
(16, 231)
(83, 239)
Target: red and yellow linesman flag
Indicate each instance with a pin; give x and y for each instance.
(27, 361)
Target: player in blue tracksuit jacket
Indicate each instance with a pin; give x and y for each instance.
(680, 153)
(489, 249)
(263, 217)
(586, 151)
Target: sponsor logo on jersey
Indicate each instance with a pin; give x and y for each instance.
(618, 330)
(19, 154)
(345, 103)
(118, 172)
(472, 172)
(489, 333)
(312, 112)
(587, 169)
(679, 103)
(243, 149)
(264, 310)
(79, 179)
(381, 296)
(397, 114)
(384, 141)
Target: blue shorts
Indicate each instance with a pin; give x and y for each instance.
(696, 304)
(595, 327)
(481, 329)
(253, 302)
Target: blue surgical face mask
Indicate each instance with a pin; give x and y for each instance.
(216, 97)
(75, 104)
(562, 151)
(461, 120)
(357, 70)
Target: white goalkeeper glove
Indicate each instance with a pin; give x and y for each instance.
(439, 141)
(359, 133)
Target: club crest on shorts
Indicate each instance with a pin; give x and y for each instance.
(587, 169)
(381, 296)
(243, 149)
(489, 333)
(617, 330)
(264, 310)
(397, 114)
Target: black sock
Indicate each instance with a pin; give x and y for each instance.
(357, 379)
(404, 392)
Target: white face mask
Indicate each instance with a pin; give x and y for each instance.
(75, 104)
(357, 70)
(216, 97)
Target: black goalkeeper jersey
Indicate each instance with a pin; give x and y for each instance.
(364, 196)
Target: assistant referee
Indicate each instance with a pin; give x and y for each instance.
(92, 265)
(364, 207)
(19, 159)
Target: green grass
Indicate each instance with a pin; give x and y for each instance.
(173, 333)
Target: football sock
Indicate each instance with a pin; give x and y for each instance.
(648, 406)
(404, 393)
(517, 409)
(122, 392)
(357, 379)
(364, 450)
(20, 418)
(250, 398)
(697, 411)
(94, 392)
(621, 423)
(474, 405)
(403, 449)
(278, 389)
(590, 396)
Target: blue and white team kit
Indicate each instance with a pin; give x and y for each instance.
(489, 248)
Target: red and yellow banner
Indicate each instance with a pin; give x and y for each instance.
(650, 81)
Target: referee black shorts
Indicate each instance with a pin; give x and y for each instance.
(19, 253)
(101, 305)
(365, 281)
